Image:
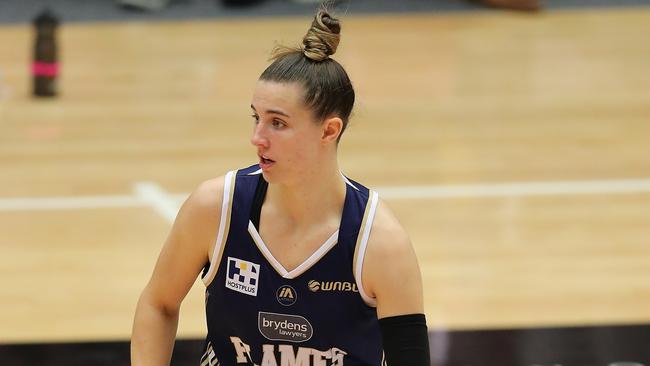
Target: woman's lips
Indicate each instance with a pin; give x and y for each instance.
(265, 162)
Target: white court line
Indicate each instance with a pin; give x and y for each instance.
(158, 199)
(147, 194)
(516, 189)
(68, 203)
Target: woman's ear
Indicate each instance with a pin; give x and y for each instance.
(332, 128)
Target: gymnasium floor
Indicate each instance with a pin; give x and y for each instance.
(513, 147)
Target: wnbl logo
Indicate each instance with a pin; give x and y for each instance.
(315, 286)
(243, 276)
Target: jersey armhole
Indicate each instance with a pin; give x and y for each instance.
(224, 227)
(362, 244)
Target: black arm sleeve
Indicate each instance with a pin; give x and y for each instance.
(406, 340)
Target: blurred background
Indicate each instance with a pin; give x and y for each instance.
(511, 137)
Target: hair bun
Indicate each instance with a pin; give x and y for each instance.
(323, 37)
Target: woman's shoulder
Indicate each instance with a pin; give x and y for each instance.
(208, 192)
(388, 234)
(203, 203)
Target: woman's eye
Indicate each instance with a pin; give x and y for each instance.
(256, 118)
(277, 123)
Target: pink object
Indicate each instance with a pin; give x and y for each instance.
(45, 69)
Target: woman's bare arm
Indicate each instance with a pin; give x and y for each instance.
(183, 255)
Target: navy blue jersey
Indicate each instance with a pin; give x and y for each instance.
(317, 314)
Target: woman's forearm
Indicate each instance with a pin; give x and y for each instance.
(154, 332)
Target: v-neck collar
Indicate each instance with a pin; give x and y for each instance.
(315, 256)
(302, 267)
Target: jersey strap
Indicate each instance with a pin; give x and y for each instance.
(224, 226)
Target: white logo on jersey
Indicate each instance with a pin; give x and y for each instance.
(286, 295)
(284, 327)
(209, 357)
(315, 286)
(304, 356)
(242, 276)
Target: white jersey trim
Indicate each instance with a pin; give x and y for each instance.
(304, 266)
(224, 226)
(348, 181)
(259, 171)
(362, 244)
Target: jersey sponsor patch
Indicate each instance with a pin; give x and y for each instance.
(286, 295)
(315, 286)
(243, 276)
(284, 327)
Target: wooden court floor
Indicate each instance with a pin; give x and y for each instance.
(515, 149)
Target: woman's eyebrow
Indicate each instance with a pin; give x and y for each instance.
(274, 111)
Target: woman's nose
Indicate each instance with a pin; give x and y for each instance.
(259, 139)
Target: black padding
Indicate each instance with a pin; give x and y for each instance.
(406, 340)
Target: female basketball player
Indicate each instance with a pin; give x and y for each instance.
(302, 265)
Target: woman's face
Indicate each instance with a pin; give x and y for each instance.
(287, 138)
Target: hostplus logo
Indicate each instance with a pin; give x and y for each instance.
(243, 276)
(315, 286)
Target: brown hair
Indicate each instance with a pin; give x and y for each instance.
(328, 90)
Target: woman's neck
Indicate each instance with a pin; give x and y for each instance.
(318, 197)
